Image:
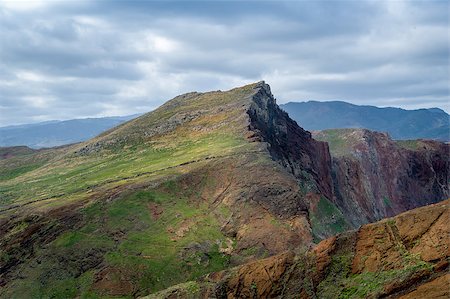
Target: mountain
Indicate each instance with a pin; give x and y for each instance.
(402, 124)
(206, 182)
(402, 257)
(169, 196)
(56, 133)
(375, 177)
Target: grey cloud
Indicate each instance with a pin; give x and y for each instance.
(94, 58)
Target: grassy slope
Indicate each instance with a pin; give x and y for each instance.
(386, 259)
(136, 251)
(340, 141)
(125, 235)
(326, 219)
(124, 154)
(340, 283)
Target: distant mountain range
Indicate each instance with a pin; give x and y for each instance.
(399, 123)
(226, 188)
(56, 132)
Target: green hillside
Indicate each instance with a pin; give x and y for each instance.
(127, 154)
(159, 200)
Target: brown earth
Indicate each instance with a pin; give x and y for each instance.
(267, 213)
(390, 245)
(22, 235)
(376, 177)
(155, 210)
(270, 194)
(423, 232)
(438, 288)
(113, 282)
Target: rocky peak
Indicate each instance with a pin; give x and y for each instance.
(216, 179)
(293, 147)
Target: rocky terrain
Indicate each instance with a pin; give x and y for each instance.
(169, 196)
(375, 177)
(206, 182)
(401, 257)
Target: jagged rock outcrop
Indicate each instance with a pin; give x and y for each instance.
(369, 176)
(206, 182)
(376, 177)
(306, 158)
(401, 257)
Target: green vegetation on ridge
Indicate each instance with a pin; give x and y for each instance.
(159, 231)
(327, 220)
(77, 174)
(341, 283)
(135, 228)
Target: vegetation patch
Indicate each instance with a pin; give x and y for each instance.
(123, 235)
(339, 140)
(340, 283)
(72, 174)
(11, 173)
(69, 239)
(409, 144)
(327, 220)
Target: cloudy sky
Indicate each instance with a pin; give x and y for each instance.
(73, 59)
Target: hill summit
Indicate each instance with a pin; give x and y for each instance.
(205, 182)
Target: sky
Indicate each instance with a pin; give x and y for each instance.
(75, 59)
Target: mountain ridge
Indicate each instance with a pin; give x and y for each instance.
(430, 123)
(372, 172)
(392, 258)
(433, 109)
(205, 182)
(58, 132)
(177, 178)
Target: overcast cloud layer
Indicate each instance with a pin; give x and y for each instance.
(73, 59)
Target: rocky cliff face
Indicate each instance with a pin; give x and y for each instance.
(304, 157)
(368, 176)
(376, 177)
(205, 182)
(401, 257)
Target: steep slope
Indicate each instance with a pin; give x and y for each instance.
(203, 183)
(399, 123)
(206, 181)
(57, 133)
(376, 177)
(401, 257)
